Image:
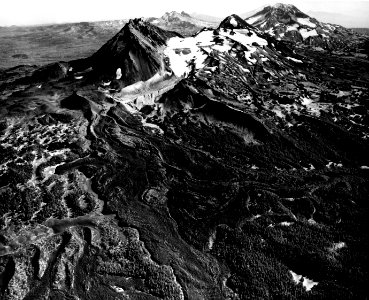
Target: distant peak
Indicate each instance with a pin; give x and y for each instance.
(282, 6)
(170, 16)
(286, 8)
(175, 13)
(280, 11)
(183, 13)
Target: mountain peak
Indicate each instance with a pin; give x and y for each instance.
(169, 16)
(283, 6)
(134, 49)
(183, 13)
(287, 22)
(279, 11)
(235, 22)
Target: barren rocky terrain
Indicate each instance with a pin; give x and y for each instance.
(224, 165)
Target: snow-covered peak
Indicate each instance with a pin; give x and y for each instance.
(287, 22)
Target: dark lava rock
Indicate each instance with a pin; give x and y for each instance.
(21, 56)
(225, 184)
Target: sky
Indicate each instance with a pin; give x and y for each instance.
(32, 12)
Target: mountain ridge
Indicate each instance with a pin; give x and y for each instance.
(223, 165)
(287, 22)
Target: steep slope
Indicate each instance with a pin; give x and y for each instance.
(133, 54)
(226, 165)
(285, 21)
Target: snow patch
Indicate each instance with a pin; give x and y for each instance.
(286, 224)
(306, 101)
(278, 113)
(117, 289)
(337, 246)
(153, 126)
(242, 36)
(310, 168)
(186, 54)
(254, 20)
(118, 73)
(306, 33)
(289, 199)
(306, 21)
(212, 240)
(294, 59)
(307, 283)
(335, 165)
(292, 27)
(296, 278)
(233, 22)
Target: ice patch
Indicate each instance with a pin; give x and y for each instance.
(364, 167)
(78, 77)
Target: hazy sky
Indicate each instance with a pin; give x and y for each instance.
(29, 12)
